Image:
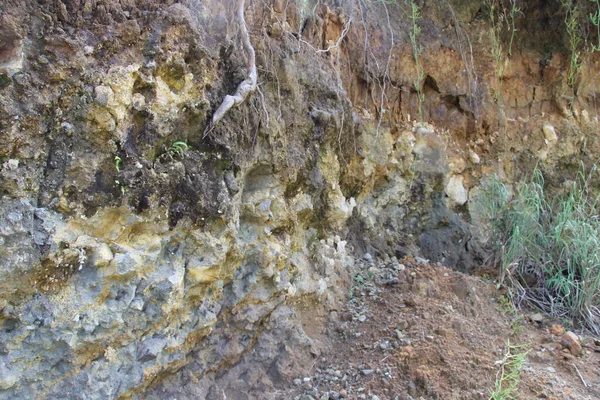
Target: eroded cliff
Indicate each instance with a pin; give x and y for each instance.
(138, 248)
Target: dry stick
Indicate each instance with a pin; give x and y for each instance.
(580, 377)
(248, 85)
(386, 73)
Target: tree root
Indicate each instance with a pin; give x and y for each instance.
(248, 85)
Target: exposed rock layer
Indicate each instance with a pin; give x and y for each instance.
(128, 260)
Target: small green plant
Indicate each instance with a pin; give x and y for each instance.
(512, 14)
(572, 16)
(496, 45)
(118, 162)
(595, 20)
(417, 50)
(499, 16)
(178, 148)
(509, 374)
(506, 305)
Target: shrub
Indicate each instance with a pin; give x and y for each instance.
(547, 248)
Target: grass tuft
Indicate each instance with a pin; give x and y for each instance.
(547, 246)
(509, 374)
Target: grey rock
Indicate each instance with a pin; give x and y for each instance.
(150, 349)
(103, 95)
(367, 372)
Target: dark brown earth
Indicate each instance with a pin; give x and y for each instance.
(422, 331)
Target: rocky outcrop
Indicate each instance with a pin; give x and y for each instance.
(142, 257)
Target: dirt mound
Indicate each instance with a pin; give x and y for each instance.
(415, 330)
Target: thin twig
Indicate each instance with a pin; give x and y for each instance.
(580, 377)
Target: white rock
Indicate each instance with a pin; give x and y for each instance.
(12, 164)
(456, 191)
(474, 157)
(101, 255)
(549, 133)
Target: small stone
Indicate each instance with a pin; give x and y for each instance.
(402, 325)
(368, 257)
(138, 101)
(297, 382)
(87, 50)
(367, 372)
(343, 393)
(474, 157)
(12, 164)
(571, 341)
(456, 191)
(551, 369)
(362, 318)
(67, 127)
(307, 379)
(103, 95)
(43, 60)
(537, 317)
(549, 133)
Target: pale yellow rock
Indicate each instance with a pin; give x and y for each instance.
(101, 256)
(474, 157)
(203, 274)
(549, 133)
(456, 190)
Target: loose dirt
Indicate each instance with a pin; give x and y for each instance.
(416, 330)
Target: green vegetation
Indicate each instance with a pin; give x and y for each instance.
(118, 163)
(499, 15)
(595, 20)
(178, 148)
(509, 374)
(417, 50)
(572, 19)
(547, 246)
(512, 14)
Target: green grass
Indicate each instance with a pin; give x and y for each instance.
(547, 246)
(417, 49)
(178, 148)
(509, 373)
(572, 27)
(595, 20)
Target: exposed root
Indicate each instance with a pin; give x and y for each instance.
(248, 85)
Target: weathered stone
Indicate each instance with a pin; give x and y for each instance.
(537, 317)
(571, 342)
(474, 157)
(456, 190)
(549, 133)
(103, 95)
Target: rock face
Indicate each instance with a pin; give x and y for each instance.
(135, 266)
